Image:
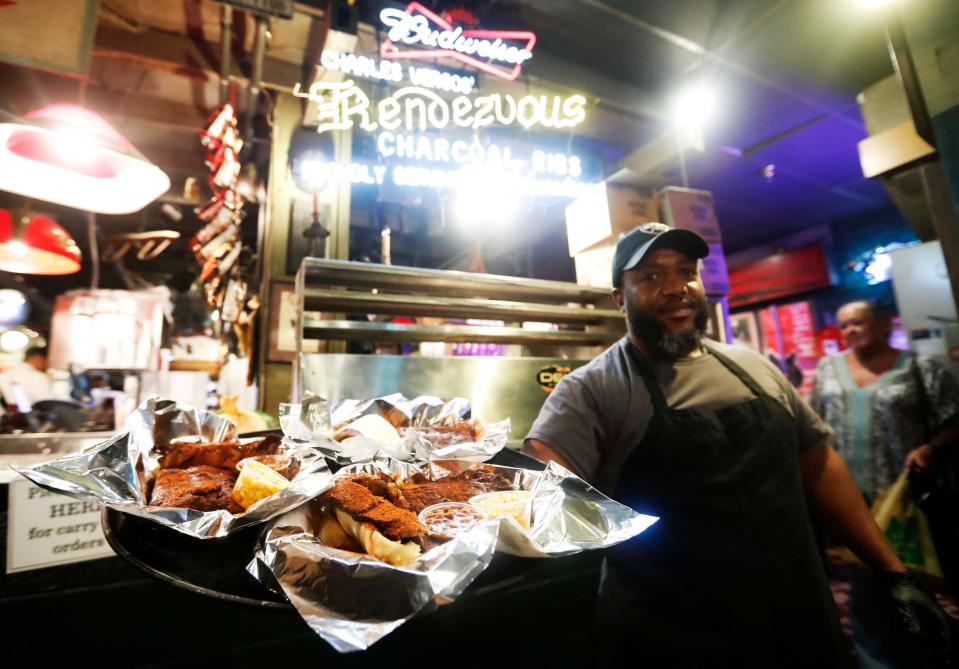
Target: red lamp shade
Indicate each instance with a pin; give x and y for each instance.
(69, 155)
(34, 244)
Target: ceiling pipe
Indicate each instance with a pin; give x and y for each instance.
(667, 35)
(226, 37)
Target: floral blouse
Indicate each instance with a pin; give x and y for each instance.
(876, 426)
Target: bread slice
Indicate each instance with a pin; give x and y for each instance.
(374, 543)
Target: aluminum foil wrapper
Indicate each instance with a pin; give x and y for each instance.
(401, 412)
(115, 473)
(568, 514)
(352, 600)
(307, 420)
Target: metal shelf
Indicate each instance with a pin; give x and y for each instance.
(329, 290)
(436, 282)
(398, 332)
(318, 299)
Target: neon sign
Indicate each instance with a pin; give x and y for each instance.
(485, 180)
(343, 105)
(384, 70)
(408, 156)
(481, 49)
(361, 66)
(437, 162)
(476, 154)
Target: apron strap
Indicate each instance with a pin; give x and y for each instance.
(649, 379)
(740, 373)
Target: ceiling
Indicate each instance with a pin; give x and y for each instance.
(786, 75)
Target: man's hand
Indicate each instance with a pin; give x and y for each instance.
(920, 457)
(923, 635)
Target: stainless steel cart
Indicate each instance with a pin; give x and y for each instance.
(548, 327)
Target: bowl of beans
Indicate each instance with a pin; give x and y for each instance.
(447, 519)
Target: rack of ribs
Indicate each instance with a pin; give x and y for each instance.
(223, 454)
(417, 493)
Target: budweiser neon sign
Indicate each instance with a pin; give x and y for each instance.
(424, 35)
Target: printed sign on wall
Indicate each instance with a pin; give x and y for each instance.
(549, 376)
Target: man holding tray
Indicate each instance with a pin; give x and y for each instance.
(717, 443)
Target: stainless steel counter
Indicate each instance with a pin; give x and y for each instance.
(497, 387)
(34, 448)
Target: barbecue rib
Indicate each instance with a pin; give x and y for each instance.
(202, 488)
(393, 522)
(387, 532)
(419, 492)
(379, 484)
(223, 454)
(465, 432)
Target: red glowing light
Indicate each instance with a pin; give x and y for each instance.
(35, 244)
(389, 50)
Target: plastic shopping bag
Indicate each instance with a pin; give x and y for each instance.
(906, 528)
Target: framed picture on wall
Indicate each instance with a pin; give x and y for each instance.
(281, 346)
(746, 330)
(714, 327)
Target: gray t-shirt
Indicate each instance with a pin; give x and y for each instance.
(599, 413)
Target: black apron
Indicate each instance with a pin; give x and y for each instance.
(730, 575)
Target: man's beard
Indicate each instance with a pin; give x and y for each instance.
(655, 335)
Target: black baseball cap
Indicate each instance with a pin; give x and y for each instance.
(632, 246)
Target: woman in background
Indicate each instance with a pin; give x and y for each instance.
(889, 409)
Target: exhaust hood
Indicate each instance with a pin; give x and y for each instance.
(906, 164)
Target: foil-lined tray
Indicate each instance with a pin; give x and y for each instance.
(316, 419)
(116, 473)
(352, 600)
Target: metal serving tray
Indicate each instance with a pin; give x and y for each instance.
(217, 567)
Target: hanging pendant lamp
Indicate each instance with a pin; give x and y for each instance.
(69, 155)
(34, 244)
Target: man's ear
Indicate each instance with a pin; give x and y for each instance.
(618, 299)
